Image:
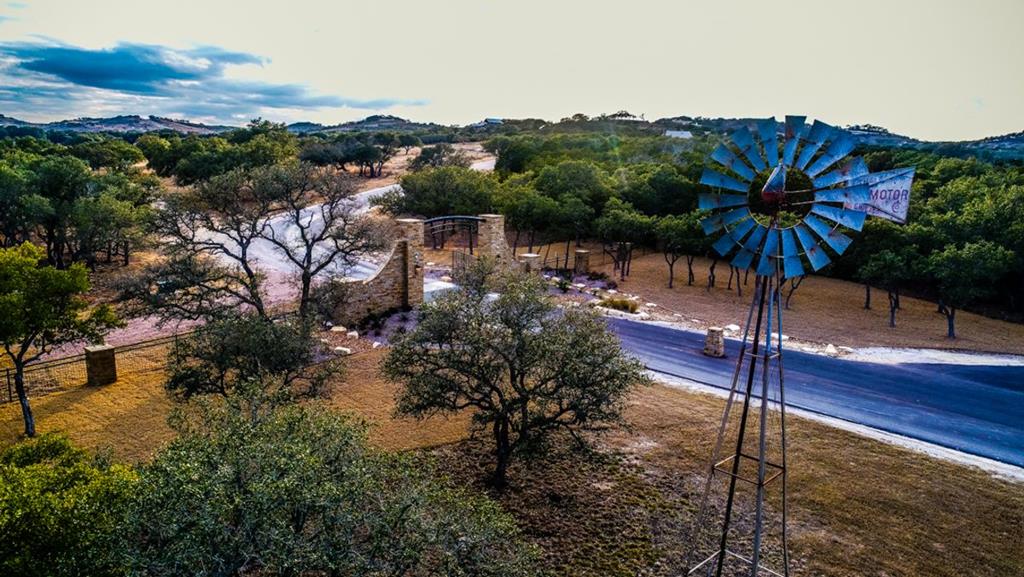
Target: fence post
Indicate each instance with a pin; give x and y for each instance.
(10, 393)
(100, 365)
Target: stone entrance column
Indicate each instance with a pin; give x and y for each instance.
(410, 248)
(492, 239)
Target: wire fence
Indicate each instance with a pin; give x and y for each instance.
(134, 361)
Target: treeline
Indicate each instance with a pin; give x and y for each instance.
(963, 244)
(192, 159)
(85, 201)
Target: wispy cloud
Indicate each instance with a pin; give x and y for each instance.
(57, 77)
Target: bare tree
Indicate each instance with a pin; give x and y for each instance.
(319, 229)
(208, 234)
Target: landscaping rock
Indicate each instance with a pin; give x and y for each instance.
(343, 350)
(352, 334)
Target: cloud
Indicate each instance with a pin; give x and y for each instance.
(155, 79)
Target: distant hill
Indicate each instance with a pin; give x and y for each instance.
(131, 123)
(1007, 146)
(375, 123)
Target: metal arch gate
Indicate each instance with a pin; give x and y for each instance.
(451, 224)
(442, 226)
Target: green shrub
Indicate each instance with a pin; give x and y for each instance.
(62, 510)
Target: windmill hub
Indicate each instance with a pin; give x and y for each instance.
(766, 203)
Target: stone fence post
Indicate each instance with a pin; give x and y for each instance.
(582, 262)
(530, 261)
(714, 343)
(100, 365)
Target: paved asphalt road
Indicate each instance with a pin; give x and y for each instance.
(977, 409)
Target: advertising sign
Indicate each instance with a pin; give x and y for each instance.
(890, 194)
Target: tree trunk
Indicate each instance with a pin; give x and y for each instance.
(515, 242)
(711, 273)
(671, 272)
(793, 285)
(689, 270)
(894, 304)
(867, 296)
(26, 410)
(502, 453)
(306, 284)
(950, 318)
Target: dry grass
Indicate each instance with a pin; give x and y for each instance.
(823, 310)
(858, 506)
(129, 417)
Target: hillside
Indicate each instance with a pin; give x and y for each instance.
(127, 123)
(1002, 147)
(377, 122)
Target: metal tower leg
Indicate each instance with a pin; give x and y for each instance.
(766, 301)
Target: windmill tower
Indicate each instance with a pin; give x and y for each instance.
(778, 211)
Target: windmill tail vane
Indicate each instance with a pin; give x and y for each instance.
(752, 437)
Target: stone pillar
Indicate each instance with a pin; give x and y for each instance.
(410, 249)
(582, 263)
(531, 262)
(492, 239)
(714, 343)
(100, 365)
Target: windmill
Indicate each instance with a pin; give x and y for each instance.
(777, 214)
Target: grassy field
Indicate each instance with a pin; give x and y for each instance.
(819, 306)
(858, 506)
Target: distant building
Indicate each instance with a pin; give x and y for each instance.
(487, 122)
(679, 134)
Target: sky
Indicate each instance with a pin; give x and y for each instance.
(935, 70)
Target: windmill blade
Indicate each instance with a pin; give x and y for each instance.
(724, 245)
(717, 221)
(849, 218)
(856, 194)
(788, 243)
(792, 267)
(724, 156)
(767, 130)
(743, 259)
(744, 141)
(741, 229)
(754, 240)
(850, 171)
(815, 138)
(838, 241)
(734, 237)
(717, 179)
(815, 254)
(714, 201)
(766, 264)
(794, 132)
(842, 145)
